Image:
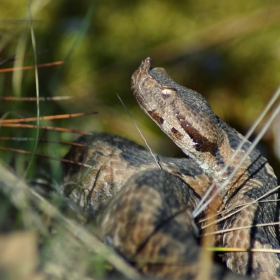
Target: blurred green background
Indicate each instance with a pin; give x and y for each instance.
(227, 50)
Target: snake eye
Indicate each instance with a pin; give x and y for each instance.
(166, 93)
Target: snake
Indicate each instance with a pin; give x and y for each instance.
(144, 204)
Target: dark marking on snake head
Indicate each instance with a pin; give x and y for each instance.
(176, 133)
(202, 144)
(156, 116)
(163, 251)
(278, 271)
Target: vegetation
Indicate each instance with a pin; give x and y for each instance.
(229, 51)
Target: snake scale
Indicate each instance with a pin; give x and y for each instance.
(144, 203)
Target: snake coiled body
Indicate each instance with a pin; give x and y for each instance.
(146, 206)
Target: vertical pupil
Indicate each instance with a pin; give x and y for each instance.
(165, 94)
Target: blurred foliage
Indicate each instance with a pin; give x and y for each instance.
(228, 51)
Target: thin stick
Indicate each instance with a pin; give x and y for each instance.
(26, 139)
(55, 63)
(36, 83)
(45, 156)
(44, 118)
(240, 228)
(53, 98)
(222, 249)
(142, 136)
(62, 129)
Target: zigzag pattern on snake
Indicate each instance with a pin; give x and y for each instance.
(145, 212)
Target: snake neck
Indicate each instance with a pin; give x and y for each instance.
(186, 117)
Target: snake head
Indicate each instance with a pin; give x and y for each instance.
(183, 114)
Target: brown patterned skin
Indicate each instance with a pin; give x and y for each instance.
(186, 117)
(113, 160)
(145, 211)
(140, 209)
(149, 222)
